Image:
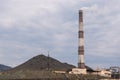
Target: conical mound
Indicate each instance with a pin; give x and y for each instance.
(42, 62)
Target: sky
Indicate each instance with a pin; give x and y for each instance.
(32, 27)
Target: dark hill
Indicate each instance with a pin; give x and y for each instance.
(42, 62)
(37, 68)
(4, 67)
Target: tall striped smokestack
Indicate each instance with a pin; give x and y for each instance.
(81, 63)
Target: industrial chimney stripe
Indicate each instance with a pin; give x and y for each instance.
(81, 64)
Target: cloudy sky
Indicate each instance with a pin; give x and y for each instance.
(32, 27)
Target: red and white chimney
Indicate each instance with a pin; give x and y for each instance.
(81, 63)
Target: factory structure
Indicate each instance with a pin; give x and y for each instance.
(81, 64)
(81, 69)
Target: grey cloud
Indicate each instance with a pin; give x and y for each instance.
(29, 28)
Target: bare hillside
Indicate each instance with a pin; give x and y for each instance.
(42, 62)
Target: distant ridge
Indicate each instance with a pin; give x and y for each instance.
(42, 62)
(4, 67)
